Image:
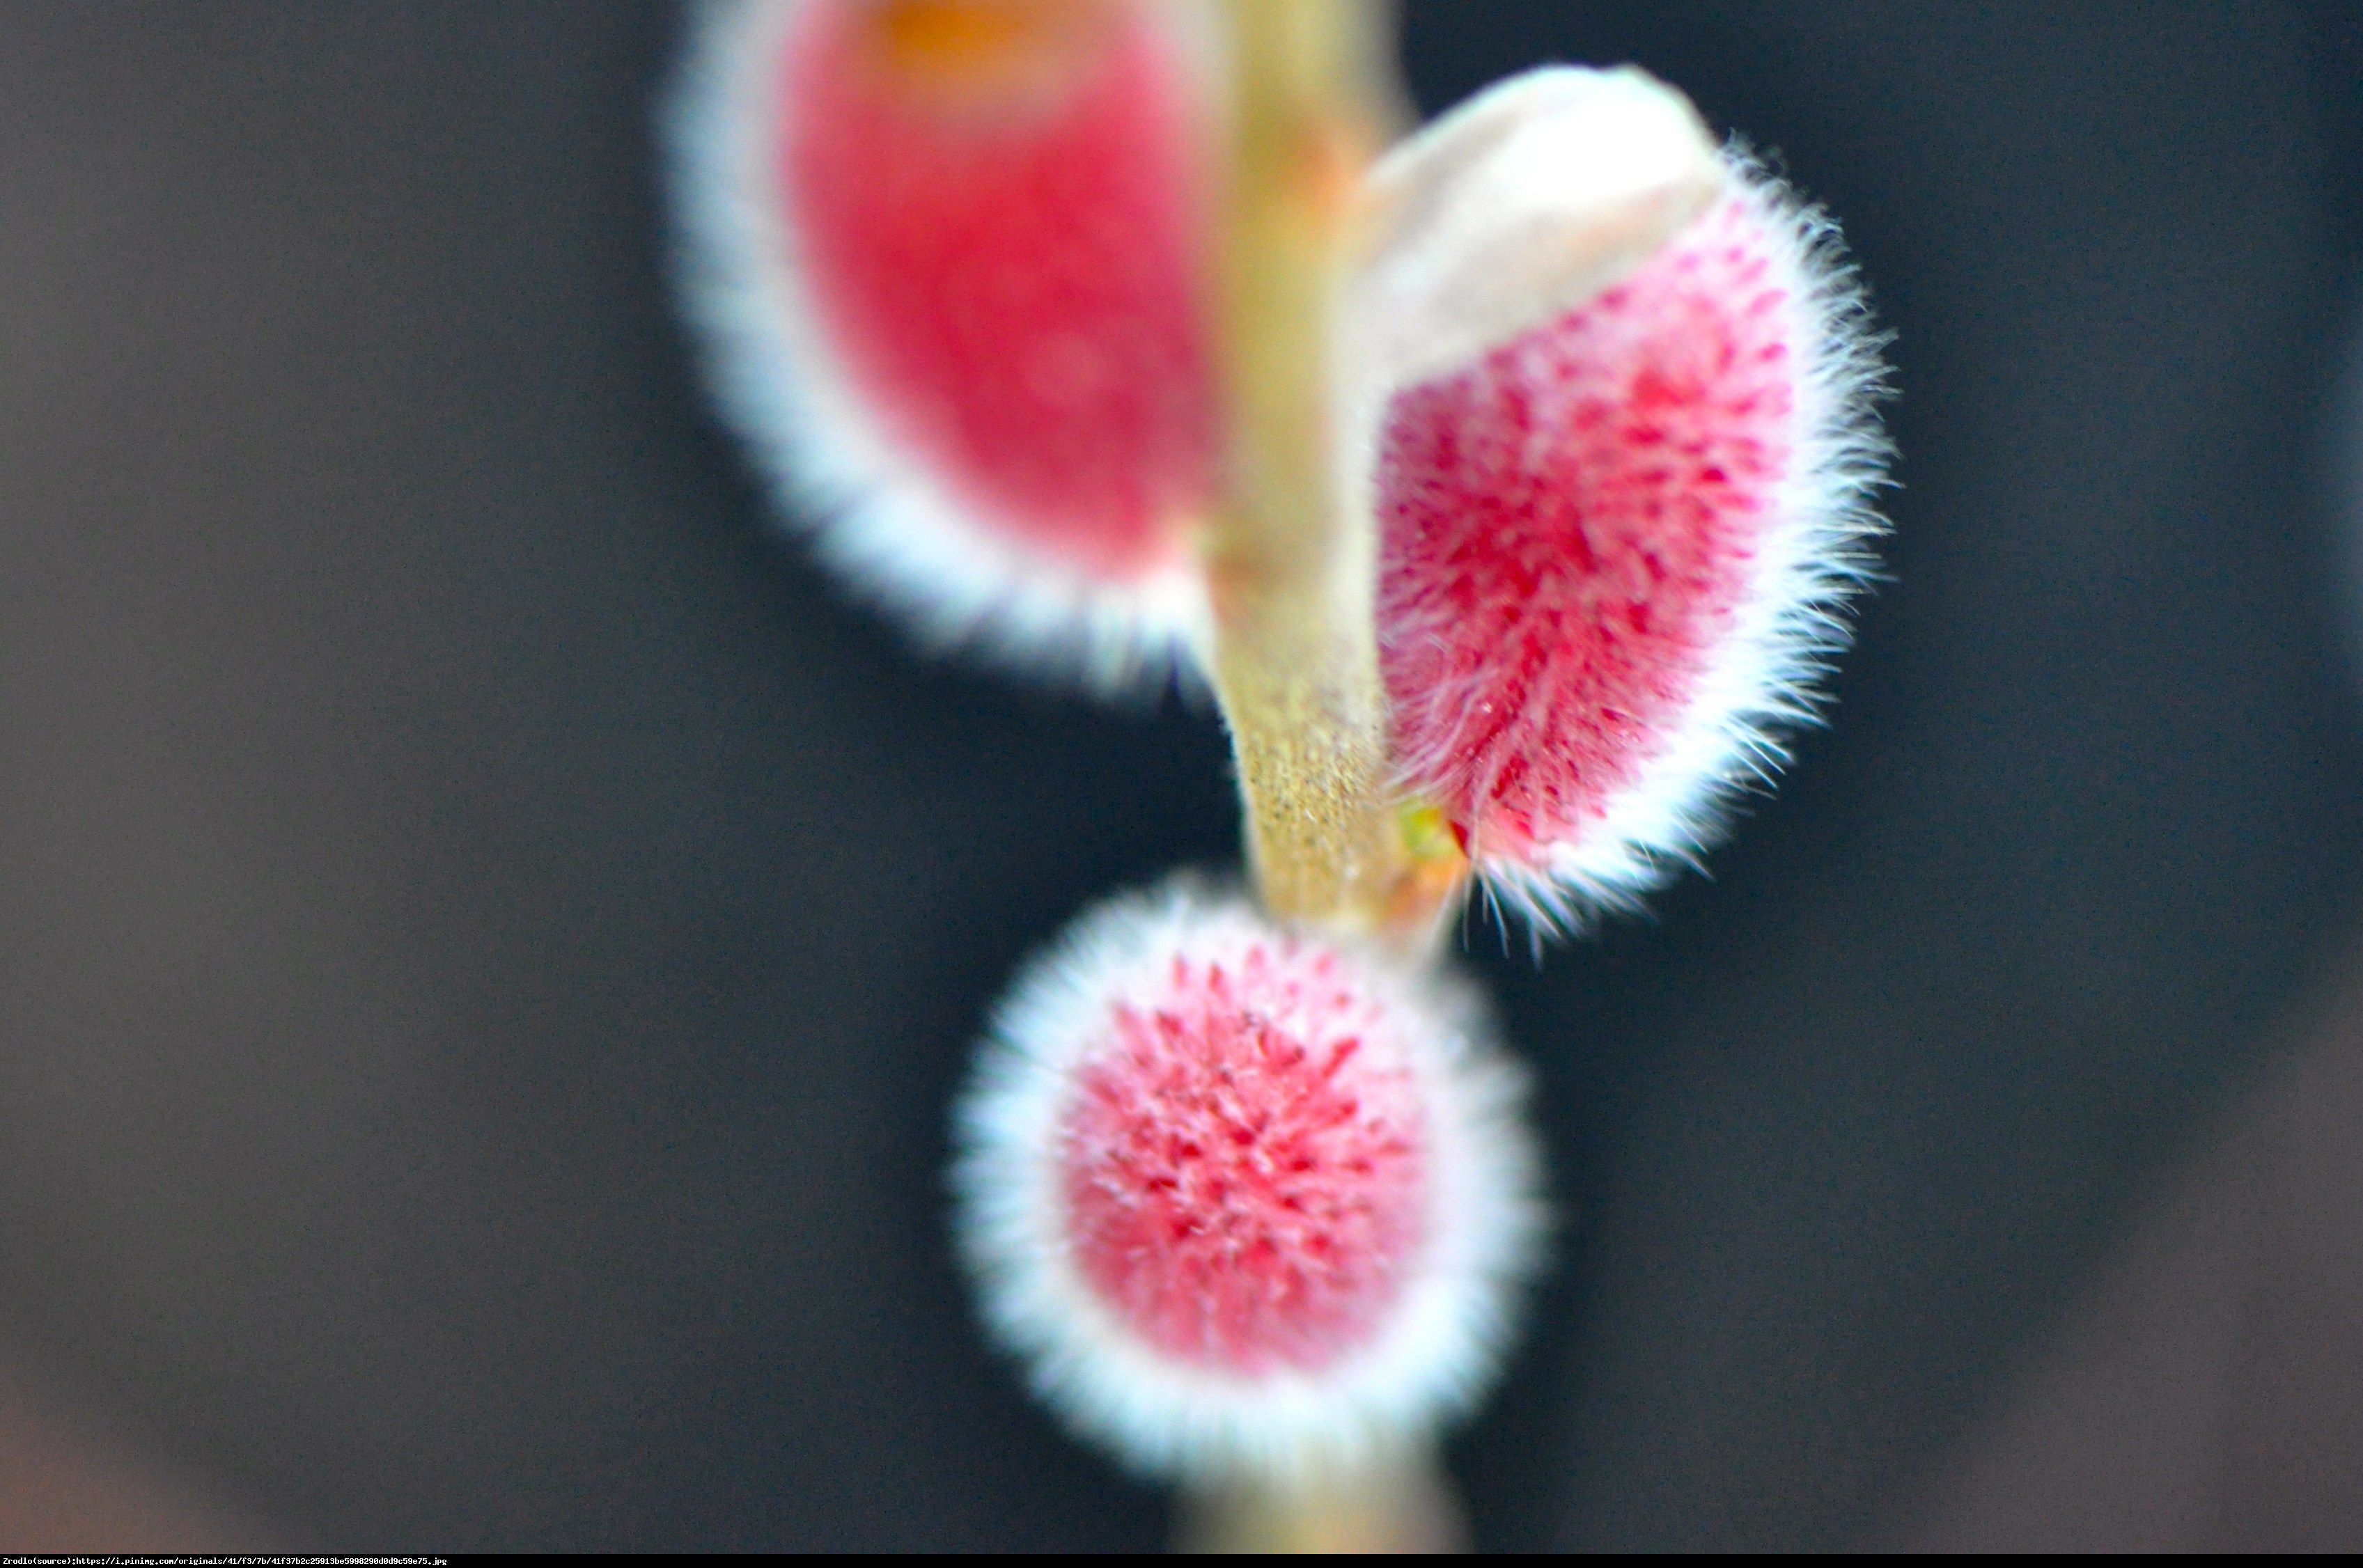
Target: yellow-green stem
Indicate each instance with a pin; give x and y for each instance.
(1402, 1504)
(1290, 568)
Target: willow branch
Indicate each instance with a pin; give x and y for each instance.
(1291, 568)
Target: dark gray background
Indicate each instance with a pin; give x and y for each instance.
(487, 936)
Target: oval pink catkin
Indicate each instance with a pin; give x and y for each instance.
(949, 259)
(1612, 551)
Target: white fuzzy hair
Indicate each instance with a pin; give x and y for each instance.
(873, 511)
(1438, 1347)
(1759, 681)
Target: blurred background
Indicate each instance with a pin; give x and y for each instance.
(488, 936)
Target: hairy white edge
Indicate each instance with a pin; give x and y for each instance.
(1439, 1347)
(887, 526)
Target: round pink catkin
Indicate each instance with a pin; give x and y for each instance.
(1244, 1167)
(1242, 1198)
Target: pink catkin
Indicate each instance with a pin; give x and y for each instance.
(1241, 1199)
(1247, 1194)
(1568, 530)
(1016, 287)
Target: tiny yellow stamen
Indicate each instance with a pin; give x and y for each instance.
(1438, 866)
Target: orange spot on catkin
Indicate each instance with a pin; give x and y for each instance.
(981, 43)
